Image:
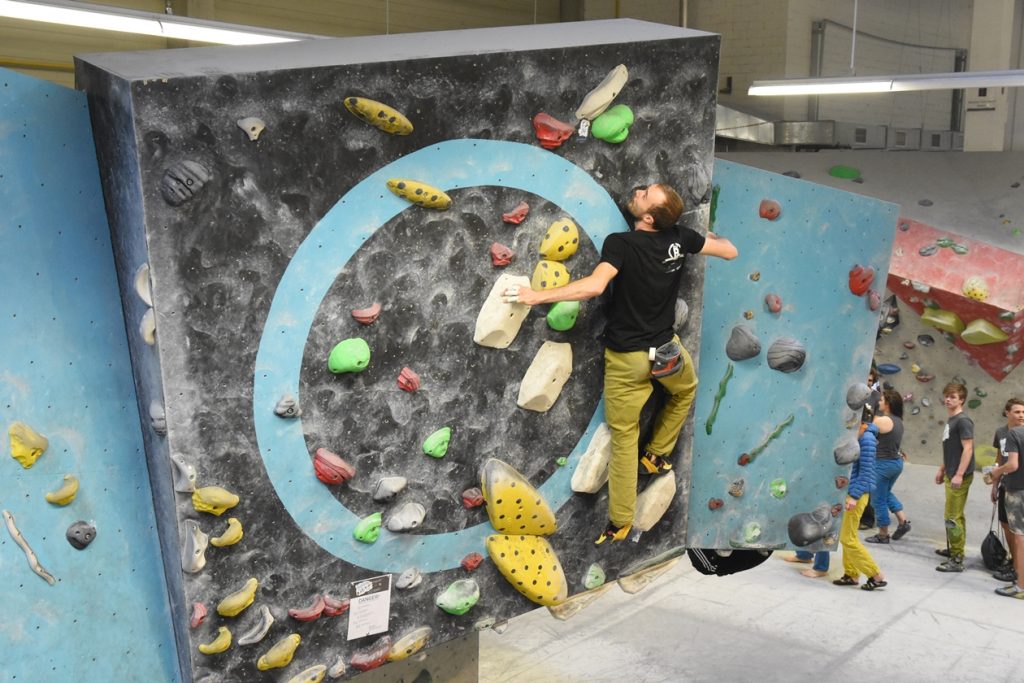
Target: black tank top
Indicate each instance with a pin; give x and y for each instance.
(889, 443)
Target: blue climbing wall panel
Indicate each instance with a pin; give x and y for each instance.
(66, 373)
(804, 256)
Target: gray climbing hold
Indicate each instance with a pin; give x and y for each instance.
(926, 402)
(806, 528)
(183, 181)
(857, 395)
(80, 534)
(682, 313)
(388, 487)
(847, 452)
(929, 250)
(407, 517)
(157, 418)
(786, 355)
(287, 407)
(792, 174)
(410, 578)
(742, 344)
(924, 202)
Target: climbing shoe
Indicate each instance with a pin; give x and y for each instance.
(901, 530)
(655, 464)
(1008, 575)
(954, 564)
(943, 552)
(877, 538)
(613, 533)
(1011, 591)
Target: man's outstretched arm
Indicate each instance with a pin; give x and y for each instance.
(579, 290)
(719, 246)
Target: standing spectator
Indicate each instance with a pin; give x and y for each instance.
(1011, 474)
(1014, 414)
(820, 566)
(889, 467)
(957, 473)
(856, 558)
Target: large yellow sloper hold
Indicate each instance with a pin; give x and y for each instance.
(530, 564)
(420, 194)
(26, 444)
(549, 275)
(213, 499)
(560, 241)
(513, 504)
(379, 115)
(948, 321)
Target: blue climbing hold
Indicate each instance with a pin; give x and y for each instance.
(889, 368)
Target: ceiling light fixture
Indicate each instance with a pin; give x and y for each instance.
(956, 80)
(106, 18)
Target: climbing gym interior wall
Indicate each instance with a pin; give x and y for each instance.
(76, 497)
(310, 239)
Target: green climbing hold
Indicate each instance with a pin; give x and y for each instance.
(845, 172)
(594, 578)
(562, 315)
(974, 403)
(959, 249)
(613, 125)
(981, 393)
(368, 528)
(1006, 315)
(351, 355)
(778, 488)
(944, 242)
(562, 462)
(751, 532)
(715, 191)
(722, 384)
(459, 597)
(436, 444)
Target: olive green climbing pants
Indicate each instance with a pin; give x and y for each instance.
(956, 523)
(627, 386)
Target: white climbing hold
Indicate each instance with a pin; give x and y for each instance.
(498, 322)
(252, 126)
(653, 501)
(592, 471)
(143, 287)
(147, 327)
(547, 374)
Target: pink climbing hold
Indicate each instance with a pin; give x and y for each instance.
(367, 316)
(715, 503)
(311, 613)
(331, 468)
(769, 209)
(371, 656)
(842, 482)
(550, 131)
(874, 300)
(516, 215)
(334, 607)
(773, 302)
(501, 255)
(408, 380)
(472, 498)
(198, 614)
(472, 561)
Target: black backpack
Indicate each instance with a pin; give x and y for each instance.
(993, 552)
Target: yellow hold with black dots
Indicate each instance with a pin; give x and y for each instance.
(420, 194)
(218, 644)
(549, 275)
(379, 115)
(560, 241)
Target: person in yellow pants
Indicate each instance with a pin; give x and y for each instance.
(644, 267)
(856, 558)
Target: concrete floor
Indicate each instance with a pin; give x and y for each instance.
(772, 624)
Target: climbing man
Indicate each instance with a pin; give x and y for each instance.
(640, 343)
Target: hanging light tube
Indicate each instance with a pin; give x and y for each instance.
(880, 84)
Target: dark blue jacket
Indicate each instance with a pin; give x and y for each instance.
(862, 476)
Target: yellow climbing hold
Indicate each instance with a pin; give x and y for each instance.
(981, 331)
(420, 194)
(231, 536)
(218, 644)
(313, 674)
(530, 564)
(513, 504)
(548, 275)
(560, 241)
(379, 115)
(26, 444)
(975, 288)
(66, 493)
(280, 654)
(409, 644)
(947, 321)
(234, 604)
(213, 499)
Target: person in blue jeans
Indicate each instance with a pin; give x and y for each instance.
(820, 566)
(888, 466)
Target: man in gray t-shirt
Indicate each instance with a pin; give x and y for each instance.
(1014, 414)
(1011, 475)
(957, 473)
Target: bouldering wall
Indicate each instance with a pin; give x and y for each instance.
(324, 224)
(789, 328)
(98, 609)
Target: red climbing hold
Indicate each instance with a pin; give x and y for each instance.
(769, 209)
(472, 498)
(311, 613)
(773, 302)
(842, 482)
(715, 503)
(744, 460)
(366, 316)
(408, 380)
(472, 561)
(516, 215)
(371, 656)
(334, 607)
(501, 255)
(550, 131)
(861, 278)
(331, 468)
(198, 614)
(874, 300)
(837, 510)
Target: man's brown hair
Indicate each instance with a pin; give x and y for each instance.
(1010, 403)
(666, 215)
(955, 388)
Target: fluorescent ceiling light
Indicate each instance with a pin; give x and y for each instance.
(108, 18)
(902, 83)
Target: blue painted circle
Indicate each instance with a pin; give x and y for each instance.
(318, 261)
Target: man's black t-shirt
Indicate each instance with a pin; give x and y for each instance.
(643, 299)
